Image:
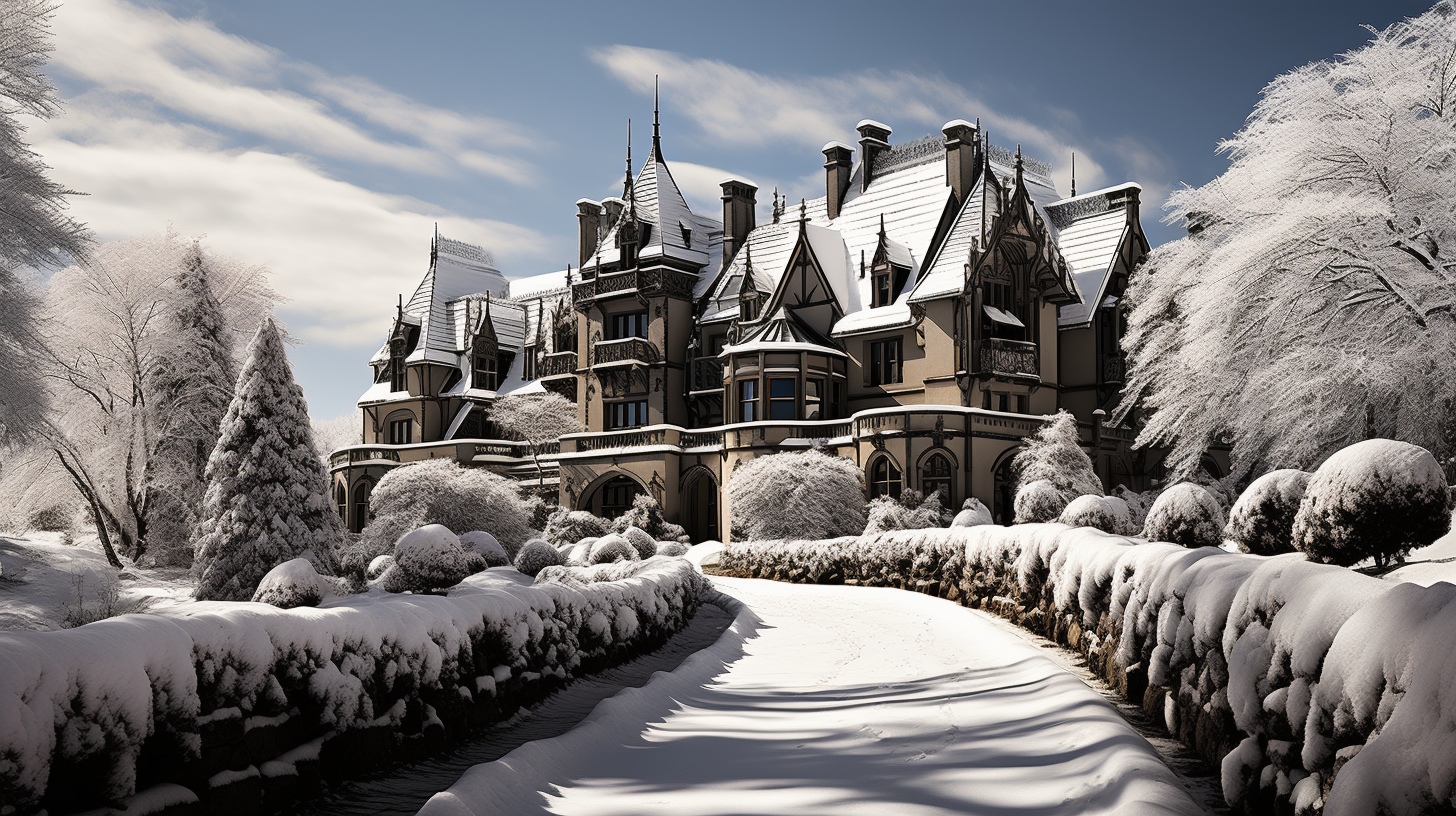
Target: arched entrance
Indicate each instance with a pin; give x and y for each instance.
(1004, 491)
(699, 512)
(612, 496)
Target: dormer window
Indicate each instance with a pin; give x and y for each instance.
(884, 292)
(485, 372)
(749, 306)
(687, 234)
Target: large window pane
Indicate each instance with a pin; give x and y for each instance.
(748, 401)
(781, 403)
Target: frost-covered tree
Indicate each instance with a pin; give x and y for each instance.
(267, 491)
(35, 231)
(535, 419)
(1311, 305)
(444, 492)
(1054, 454)
(1185, 514)
(331, 434)
(1376, 499)
(805, 494)
(1262, 519)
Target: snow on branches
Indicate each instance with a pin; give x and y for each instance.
(797, 495)
(1054, 455)
(1311, 305)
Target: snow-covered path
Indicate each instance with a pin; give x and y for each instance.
(843, 700)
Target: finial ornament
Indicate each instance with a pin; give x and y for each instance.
(803, 212)
(656, 126)
(1074, 174)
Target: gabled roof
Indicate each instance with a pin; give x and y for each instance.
(784, 331)
(659, 203)
(771, 247)
(456, 269)
(1092, 230)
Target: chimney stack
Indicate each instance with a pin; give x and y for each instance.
(961, 144)
(739, 205)
(874, 139)
(838, 162)
(588, 229)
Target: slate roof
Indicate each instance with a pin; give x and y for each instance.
(784, 331)
(1092, 228)
(457, 269)
(659, 203)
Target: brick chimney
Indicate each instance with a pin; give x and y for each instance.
(838, 162)
(874, 139)
(588, 228)
(961, 143)
(739, 205)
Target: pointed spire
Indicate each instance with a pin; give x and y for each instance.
(656, 127)
(882, 227)
(1018, 163)
(627, 184)
(435, 246)
(803, 214)
(1074, 174)
(747, 287)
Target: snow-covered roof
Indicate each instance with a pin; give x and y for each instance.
(457, 269)
(894, 316)
(784, 331)
(1091, 230)
(660, 204)
(551, 284)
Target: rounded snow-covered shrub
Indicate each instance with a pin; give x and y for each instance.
(431, 557)
(672, 548)
(644, 544)
(571, 526)
(1039, 501)
(292, 583)
(798, 495)
(1262, 520)
(612, 548)
(580, 553)
(1106, 514)
(484, 543)
(973, 514)
(909, 512)
(443, 492)
(1375, 499)
(378, 566)
(646, 515)
(536, 555)
(1185, 514)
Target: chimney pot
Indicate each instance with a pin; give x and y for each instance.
(838, 164)
(961, 143)
(874, 139)
(588, 228)
(739, 211)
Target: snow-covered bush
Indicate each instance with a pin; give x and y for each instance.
(1106, 513)
(378, 566)
(672, 548)
(908, 512)
(429, 559)
(570, 526)
(1054, 454)
(643, 543)
(440, 491)
(1262, 520)
(973, 513)
(610, 548)
(267, 495)
(1187, 515)
(646, 515)
(536, 555)
(1039, 501)
(292, 583)
(797, 495)
(1375, 499)
(483, 543)
(1138, 505)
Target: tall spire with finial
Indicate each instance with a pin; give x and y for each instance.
(1074, 174)
(435, 246)
(656, 127)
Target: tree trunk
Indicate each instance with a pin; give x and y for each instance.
(96, 514)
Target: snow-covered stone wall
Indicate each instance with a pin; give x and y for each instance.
(1280, 671)
(248, 705)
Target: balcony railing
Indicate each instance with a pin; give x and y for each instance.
(626, 350)
(1013, 358)
(700, 439)
(707, 374)
(621, 439)
(1114, 369)
(559, 364)
(648, 282)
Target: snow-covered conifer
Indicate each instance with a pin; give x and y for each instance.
(1262, 520)
(1185, 514)
(802, 495)
(1054, 454)
(267, 491)
(443, 492)
(1375, 499)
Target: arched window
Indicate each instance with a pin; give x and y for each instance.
(341, 499)
(884, 479)
(362, 489)
(617, 496)
(397, 352)
(935, 474)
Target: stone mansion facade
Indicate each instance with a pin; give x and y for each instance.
(920, 319)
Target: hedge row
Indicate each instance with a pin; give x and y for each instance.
(1314, 688)
(242, 700)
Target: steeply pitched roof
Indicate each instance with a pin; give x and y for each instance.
(784, 331)
(771, 247)
(1092, 229)
(456, 269)
(659, 202)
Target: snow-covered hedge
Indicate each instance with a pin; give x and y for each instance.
(1185, 514)
(1281, 671)
(86, 710)
(1261, 520)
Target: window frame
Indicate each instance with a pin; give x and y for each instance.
(929, 481)
(782, 406)
(748, 398)
(627, 324)
(401, 431)
(890, 484)
(618, 414)
(886, 368)
(815, 399)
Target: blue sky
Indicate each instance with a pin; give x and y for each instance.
(324, 139)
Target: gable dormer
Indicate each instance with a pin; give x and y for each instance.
(890, 269)
(484, 351)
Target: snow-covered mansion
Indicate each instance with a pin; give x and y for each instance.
(919, 319)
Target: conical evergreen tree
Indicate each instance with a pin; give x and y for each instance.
(267, 492)
(1055, 454)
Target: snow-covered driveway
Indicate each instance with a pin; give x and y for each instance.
(839, 700)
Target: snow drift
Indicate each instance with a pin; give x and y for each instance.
(1280, 671)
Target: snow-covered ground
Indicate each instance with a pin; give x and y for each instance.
(43, 579)
(846, 700)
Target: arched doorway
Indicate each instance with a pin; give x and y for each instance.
(1004, 490)
(612, 497)
(362, 489)
(700, 505)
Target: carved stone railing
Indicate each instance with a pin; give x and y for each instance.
(706, 374)
(1014, 358)
(559, 364)
(622, 439)
(700, 439)
(628, 349)
(649, 282)
(1114, 369)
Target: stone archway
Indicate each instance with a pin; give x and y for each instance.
(611, 494)
(1004, 489)
(699, 507)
